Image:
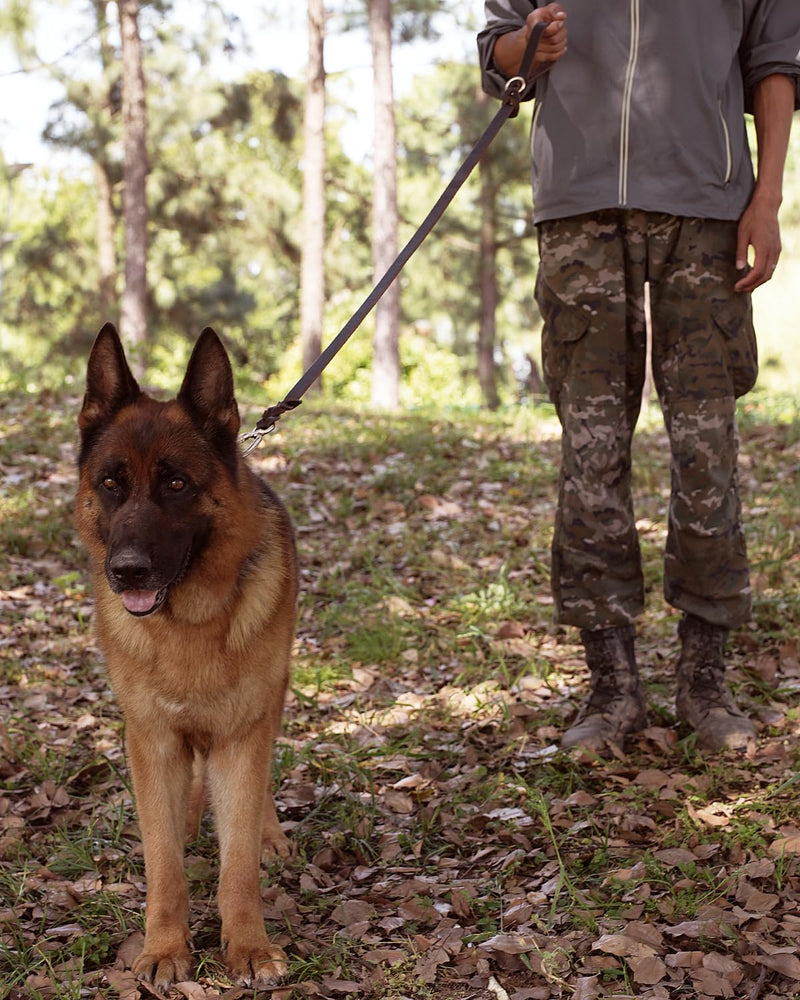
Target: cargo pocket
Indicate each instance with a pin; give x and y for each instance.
(563, 327)
(734, 319)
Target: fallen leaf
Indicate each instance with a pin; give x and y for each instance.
(341, 986)
(724, 965)
(761, 902)
(384, 956)
(510, 630)
(586, 988)
(684, 959)
(510, 944)
(694, 929)
(353, 911)
(785, 845)
(786, 964)
(129, 950)
(623, 946)
(192, 991)
(125, 984)
(647, 971)
(674, 856)
(399, 802)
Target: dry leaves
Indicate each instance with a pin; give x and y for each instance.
(445, 847)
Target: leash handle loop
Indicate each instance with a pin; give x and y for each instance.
(516, 85)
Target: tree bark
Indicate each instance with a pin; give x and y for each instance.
(386, 349)
(312, 276)
(106, 223)
(106, 251)
(487, 282)
(133, 319)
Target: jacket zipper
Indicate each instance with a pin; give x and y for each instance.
(727, 134)
(625, 124)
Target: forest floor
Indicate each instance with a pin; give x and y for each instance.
(445, 847)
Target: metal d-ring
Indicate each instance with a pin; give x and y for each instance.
(519, 84)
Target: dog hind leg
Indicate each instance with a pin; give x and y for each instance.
(197, 796)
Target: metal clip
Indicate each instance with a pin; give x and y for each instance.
(255, 437)
(267, 424)
(513, 91)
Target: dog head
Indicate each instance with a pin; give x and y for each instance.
(148, 469)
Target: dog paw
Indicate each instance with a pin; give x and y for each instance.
(163, 969)
(275, 844)
(259, 966)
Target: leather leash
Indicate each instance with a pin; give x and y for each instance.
(509, 108)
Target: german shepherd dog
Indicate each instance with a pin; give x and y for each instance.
(194, 574)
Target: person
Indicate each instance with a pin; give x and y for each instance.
(642, 175)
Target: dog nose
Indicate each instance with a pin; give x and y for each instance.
(130, 567)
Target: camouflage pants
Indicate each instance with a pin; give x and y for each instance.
(590, 291)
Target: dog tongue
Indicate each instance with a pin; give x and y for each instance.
(138, 602)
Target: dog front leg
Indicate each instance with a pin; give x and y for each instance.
(161, 768)
(237, 776)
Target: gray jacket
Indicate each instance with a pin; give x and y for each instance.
(646, 108)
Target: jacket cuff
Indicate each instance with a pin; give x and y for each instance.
(493, 79)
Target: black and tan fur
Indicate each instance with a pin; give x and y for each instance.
(195, 585)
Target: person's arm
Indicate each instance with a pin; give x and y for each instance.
(510, 48)
(773, 105)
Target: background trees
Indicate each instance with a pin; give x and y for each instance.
(312, 277)
(230, 163)
(133, 321)
(386, 350)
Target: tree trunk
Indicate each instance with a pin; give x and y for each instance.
(106, 223)
(106, 251)
(487, 282)
(133, 319)
(386, 350)
(312, 279)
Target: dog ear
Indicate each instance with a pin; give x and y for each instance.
(207, 390)
(109, 382)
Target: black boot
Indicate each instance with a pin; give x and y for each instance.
(702, 698)
(615, 705)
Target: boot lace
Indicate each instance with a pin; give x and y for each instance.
(613, 673)
(704, 653)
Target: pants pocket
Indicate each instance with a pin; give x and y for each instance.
(735, 320)
(563, 327)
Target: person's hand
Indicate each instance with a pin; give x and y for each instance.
(553, 43)
(510, 47)
(759, 229)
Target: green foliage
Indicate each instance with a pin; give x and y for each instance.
(224, 202)
(442, 279)
(411, 19)
(17, 20)
(431, 375)
(790, 209)
(50, 301)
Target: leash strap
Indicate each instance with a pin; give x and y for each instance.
(514, 90)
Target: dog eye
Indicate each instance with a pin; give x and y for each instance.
(109, 484)
(177, 484)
